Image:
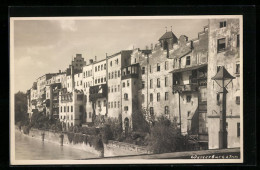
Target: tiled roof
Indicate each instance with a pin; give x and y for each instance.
(180, 52)
(168, 35)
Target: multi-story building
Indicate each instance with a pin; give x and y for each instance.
(156, 91)
(114, 64)
(88, 81)
(189, 85)
(32, 97)
(100, 83)
(71, 103)
(224, 50)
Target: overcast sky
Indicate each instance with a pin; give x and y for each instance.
(46, 46)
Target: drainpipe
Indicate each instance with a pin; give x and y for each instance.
(107, 84)
(180, 109)
(147, 81)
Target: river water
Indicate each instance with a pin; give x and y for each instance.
(28, 148)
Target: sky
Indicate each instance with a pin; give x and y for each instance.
(47, 46)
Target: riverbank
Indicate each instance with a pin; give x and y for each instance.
(111, 149)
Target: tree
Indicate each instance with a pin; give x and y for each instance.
(165, 137)
(141, 120)
(21, 114)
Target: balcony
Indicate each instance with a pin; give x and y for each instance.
(131, 71)
(96, 92)
(185, 88)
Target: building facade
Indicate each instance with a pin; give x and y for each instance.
(224, 50)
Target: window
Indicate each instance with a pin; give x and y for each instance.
(123, 84)
(127, 82)
(151, 97)
(115, 88)
(126, 108)
(79, 97)
(99, 104)
(112, 89)
(89, 114)
(118, 73)
(64, 108)
(238, 129)
(166, 95)
(71, 117)
(142, 98)
(115, 74)
(222, 24)
(104, 66)
(135, 60)
(166, 110)
(188, 113)
(108, 104)
(158, 67)
(112, 75)
(68, 108)
(102, 80)
(115, 104)
(151, 83)
(108, 89)
(81, 108)
(104, 102)
(238, 40)
(111, 63)
(158, 82)
(96, 69)
(99, 80)
(60, 109)
(158, 97)
(187, 60)
(143, 84)
(118, 104)
(237, 99)
(126, 96)
(150, 68)
(118, 87)
(111, 104)
(143, 70)
(166, 81)
(218, 67)
(188, 98)
(151, 111)
(221, 45)
(95, 81)
(71, 108)
(237, 68)
(166, 65)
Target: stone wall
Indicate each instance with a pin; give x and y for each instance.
(113, 148)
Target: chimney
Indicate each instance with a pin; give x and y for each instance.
(91, 61)
(78, 55)
(152, 46)
(95, 58)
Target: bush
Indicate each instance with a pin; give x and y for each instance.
(164, 137)
(107, 133)
(97, 142)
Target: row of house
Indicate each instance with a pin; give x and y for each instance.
(173, 78)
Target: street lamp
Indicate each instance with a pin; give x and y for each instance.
(223, 78)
